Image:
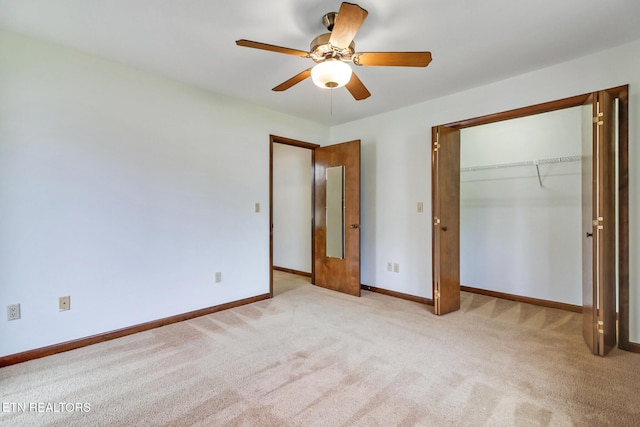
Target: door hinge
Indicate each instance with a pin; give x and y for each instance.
(436, 146)
(436, 294)
(599, 223)
(436, 220)
(599, 118)
(600, 327)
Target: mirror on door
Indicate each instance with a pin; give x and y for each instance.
(335, 212)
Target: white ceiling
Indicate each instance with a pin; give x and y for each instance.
(472, 42)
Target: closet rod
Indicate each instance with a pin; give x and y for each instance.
(525, 163)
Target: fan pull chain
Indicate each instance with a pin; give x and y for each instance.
(331, 101)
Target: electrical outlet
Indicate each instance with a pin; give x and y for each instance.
(13, 312)
(389, 266)
(396, 268)
(218, 277)
(64, 303)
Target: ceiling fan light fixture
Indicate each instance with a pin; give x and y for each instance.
(331, 74)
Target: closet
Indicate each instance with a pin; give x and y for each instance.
(520, 207)
(527, 228)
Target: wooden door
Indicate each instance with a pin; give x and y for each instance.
(337, 263)
(445, 184)
(589, 317)
(599, 224)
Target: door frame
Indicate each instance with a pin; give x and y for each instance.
(622, 93)
(274, 139)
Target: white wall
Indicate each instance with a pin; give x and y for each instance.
(292, 189)
(517, 236)
(396, 163)
(125, 191)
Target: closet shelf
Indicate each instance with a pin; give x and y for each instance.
(525, 163)
(535, 163)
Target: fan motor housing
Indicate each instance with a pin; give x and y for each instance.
(329, 20)
(322, 50)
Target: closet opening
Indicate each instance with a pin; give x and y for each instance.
(604, 233)
(521, 209)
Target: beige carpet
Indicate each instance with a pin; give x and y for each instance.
(313, 357)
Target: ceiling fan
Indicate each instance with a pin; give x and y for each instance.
(332, 51)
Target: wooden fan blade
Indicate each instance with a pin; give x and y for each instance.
(272, 48)
(350, 18)
(357, 88)
(399, 59)
(293, 80)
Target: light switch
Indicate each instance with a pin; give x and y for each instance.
(420, 207)
(257, 207)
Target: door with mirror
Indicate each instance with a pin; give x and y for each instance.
(337, 217)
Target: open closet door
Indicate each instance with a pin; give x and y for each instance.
(337, 217)
(445, 182)
(598, 218)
